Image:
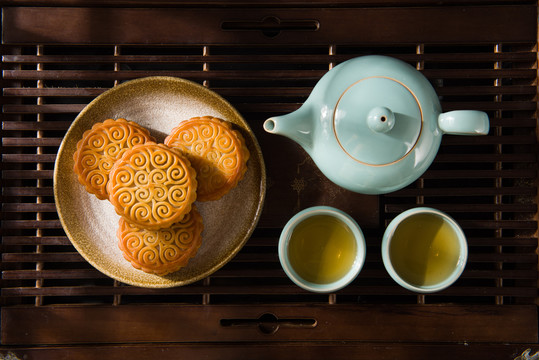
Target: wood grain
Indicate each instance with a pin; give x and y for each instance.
(177, 323)
(277, 350)
(58, 55)
(78, 25)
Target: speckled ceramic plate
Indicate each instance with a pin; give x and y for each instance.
(159, 104)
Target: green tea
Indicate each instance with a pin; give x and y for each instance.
(322, 249)
(424, 250)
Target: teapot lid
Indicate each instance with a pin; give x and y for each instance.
(377, 120)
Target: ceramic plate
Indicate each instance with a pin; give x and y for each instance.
(159, 104)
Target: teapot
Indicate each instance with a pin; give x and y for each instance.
(374, 124)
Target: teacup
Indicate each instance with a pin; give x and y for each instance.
(424, 250)
(322, 249)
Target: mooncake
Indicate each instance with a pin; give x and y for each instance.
(216, 151)
(100, 147)
(161, 251)
(152, 186)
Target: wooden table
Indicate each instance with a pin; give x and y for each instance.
(265, 58)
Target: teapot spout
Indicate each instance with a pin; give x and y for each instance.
(296, 126)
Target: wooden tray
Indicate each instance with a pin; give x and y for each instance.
(265, 60)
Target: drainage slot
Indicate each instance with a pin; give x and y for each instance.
(269, 324)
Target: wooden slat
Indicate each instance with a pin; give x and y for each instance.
(485, 90)
(486, 158)
(263, 290)
(27, 174)
(65, 25)
(34, 125)
(43, 109)
(278, 107)
(238, 290)
(59, 91)
(500, 274)
(505, 241)
(102, 75)
(102, 324)
(268, 244)
(516, 122)
(28, 207)
(478, 73)
(279, 350)
(243, 3)
(470, 208)
(28, 158)
(528, 139)
(275, 107)
(29, 141)
(277, 272)
(460, 191)
(253, 57)
(486, 106)
(35, 240)
(442, 91)
(52, 274)
(504, 257)
(478, 174)
(27, 191)
(31, 224)
(273, 91)
(530, 274)
(44, 257)
(501, 224)
(8, 257)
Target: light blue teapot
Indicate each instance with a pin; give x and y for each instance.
(373, 124)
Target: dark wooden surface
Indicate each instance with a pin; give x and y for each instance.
(265, 59)
(244, 26)
(277, 350)
(184, 323)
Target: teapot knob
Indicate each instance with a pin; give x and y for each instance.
(380, 119)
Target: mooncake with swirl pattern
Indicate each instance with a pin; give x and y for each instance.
(100, 147)
(217, 152)
(162, 251)
(152, 186)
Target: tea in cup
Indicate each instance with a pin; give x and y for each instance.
(424, 250)
(322, 249)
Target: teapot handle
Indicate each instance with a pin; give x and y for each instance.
(464, 122)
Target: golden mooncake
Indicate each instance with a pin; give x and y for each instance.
(216, 151)
(100, 147)
(161, 251)
(152, 186)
